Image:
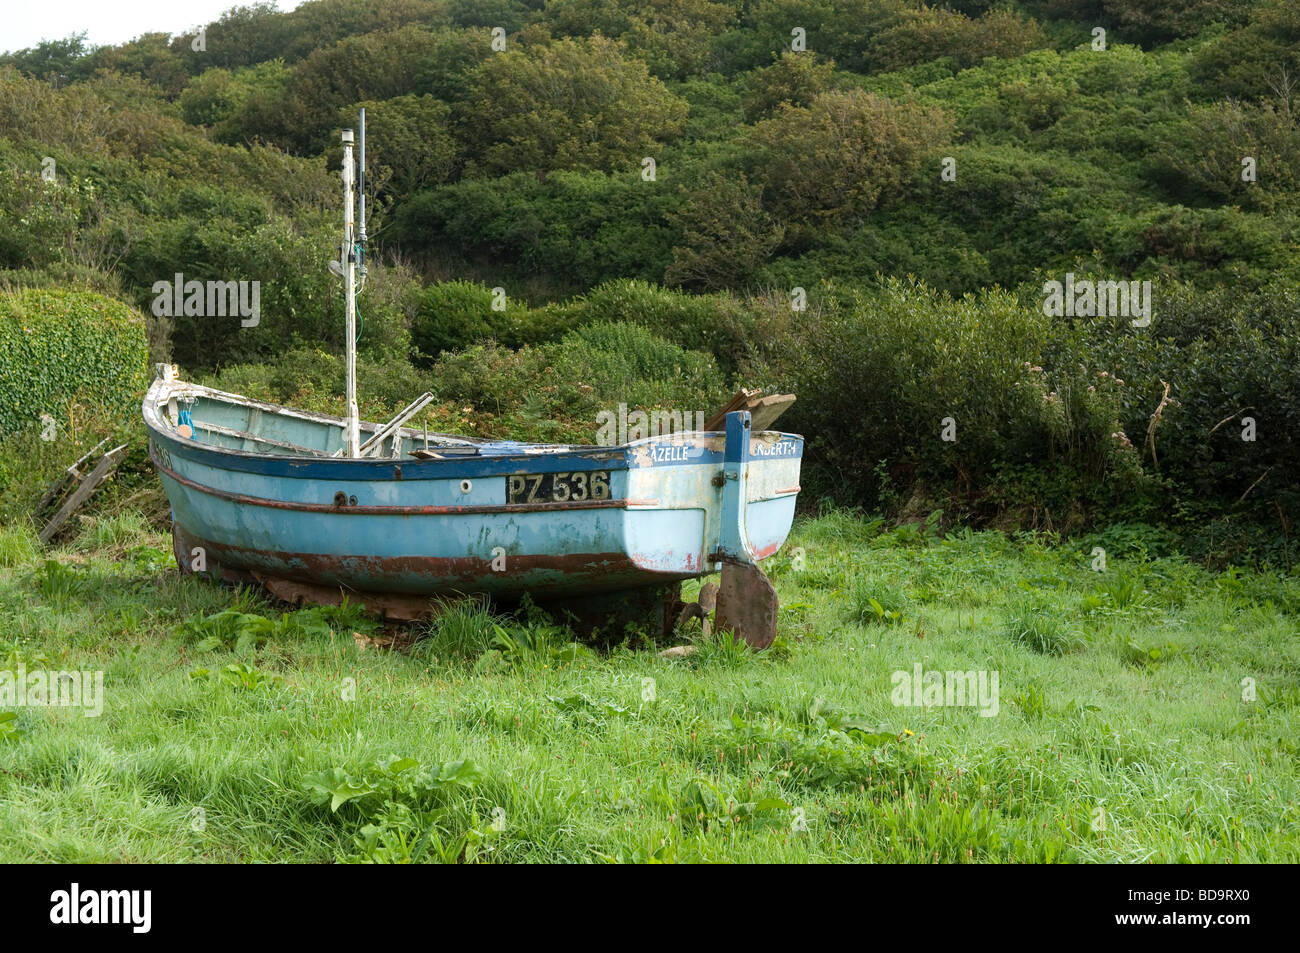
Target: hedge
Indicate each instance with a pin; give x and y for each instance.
(59, 348)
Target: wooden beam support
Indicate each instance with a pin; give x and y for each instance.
(83, 492)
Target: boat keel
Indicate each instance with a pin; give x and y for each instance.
(747, 604)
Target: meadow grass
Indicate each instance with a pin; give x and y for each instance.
(234, 731)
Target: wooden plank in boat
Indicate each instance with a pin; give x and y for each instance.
(763, 410)
(738, 402)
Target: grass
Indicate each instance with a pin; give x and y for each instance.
(1146, 713)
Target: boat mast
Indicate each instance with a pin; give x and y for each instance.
(361, 195)
(352, 435)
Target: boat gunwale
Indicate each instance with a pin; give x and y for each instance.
(595, 457)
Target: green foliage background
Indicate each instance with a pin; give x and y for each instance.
(662, 174)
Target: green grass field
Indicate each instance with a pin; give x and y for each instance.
(1125, 729)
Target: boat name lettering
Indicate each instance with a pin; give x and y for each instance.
(666, 453)
(786, 448)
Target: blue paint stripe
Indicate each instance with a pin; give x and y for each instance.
(455, 468)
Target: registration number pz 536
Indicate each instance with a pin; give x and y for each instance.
(557, 487)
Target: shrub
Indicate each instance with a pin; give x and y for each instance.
(933, 33)
(556, 391)
(64, 348)
(576, 229)
(571, 104)
(716, 324)
(1226, 132)
(794, 78)
(452, 315)
(883, 372)
(726, 235)
(833, 161)
(601, 365)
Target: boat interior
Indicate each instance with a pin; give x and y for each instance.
(238, 423)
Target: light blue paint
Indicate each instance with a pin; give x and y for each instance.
(665, 520)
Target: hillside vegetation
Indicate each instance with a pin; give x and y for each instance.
(582, 203)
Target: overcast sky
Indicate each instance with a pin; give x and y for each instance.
(24, 23)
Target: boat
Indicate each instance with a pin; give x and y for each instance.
(316, 507)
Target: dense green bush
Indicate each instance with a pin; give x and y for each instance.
(300, 115)
(557, 391)
(451, 315)
(794, 78)
(61, 350)
(1064, 414)
(570, 104)
(918, 386)
(717, 325)
(726, 235)
(933, 33)
(1246, 62)
(577, 228)
(38, 219)
(833, 161)
(601, 365)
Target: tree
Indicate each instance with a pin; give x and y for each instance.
(795, 78)
(242, 36)
(510, 15)
(326, 22)
(839, 29)
(1227, 132)
(148, 56)
(445, 70)
(409, 145)
(833, 161)
(210, 97)
(1262, 55)
(726, 234)
(675, 36)
(1159, 21)
(66, 58)
(932, 33)
(571, 104)
(302, 115)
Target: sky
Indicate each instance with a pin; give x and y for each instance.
(24, 23)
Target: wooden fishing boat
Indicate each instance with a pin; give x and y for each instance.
(307, 503)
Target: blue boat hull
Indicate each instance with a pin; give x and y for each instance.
(428, 527)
